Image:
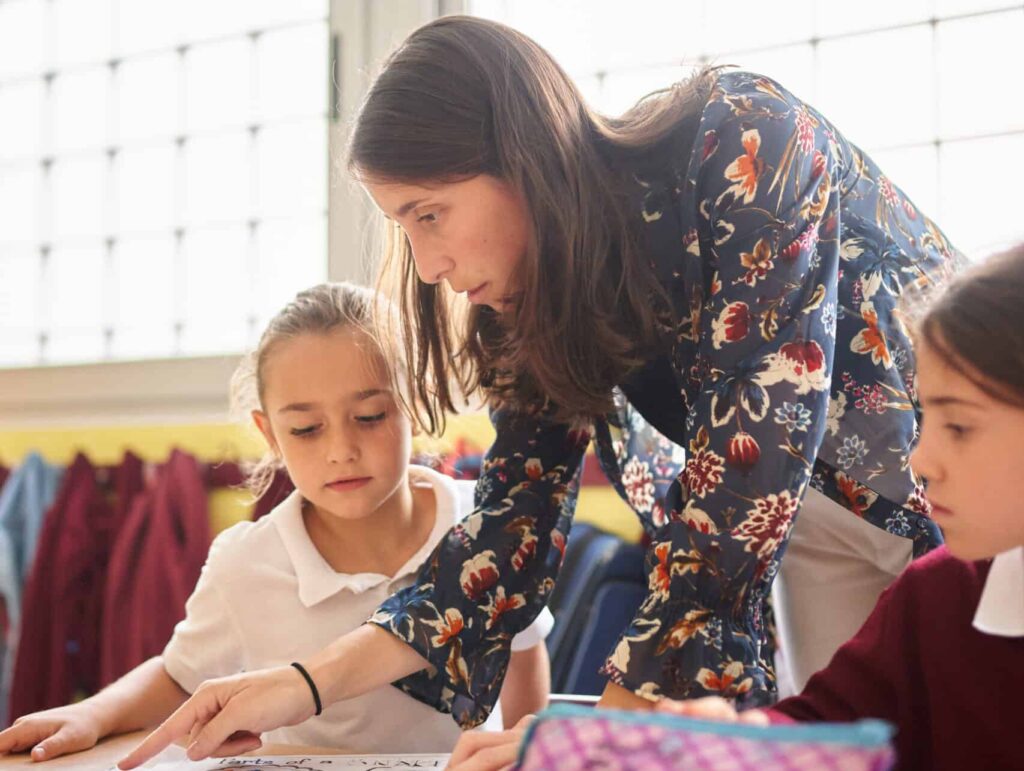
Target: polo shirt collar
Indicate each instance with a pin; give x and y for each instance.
(1001, 608)
(317, 580)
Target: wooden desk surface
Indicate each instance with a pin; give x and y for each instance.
(109, 751)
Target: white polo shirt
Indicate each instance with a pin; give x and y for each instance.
(1001, 607)
(266, 597)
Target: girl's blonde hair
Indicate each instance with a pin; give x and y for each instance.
(318, 310)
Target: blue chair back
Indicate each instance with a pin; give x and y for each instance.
(614, 606)
(588, 617)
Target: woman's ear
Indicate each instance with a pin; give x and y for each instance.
(259, 417)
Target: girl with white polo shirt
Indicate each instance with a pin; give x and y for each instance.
(358, 527)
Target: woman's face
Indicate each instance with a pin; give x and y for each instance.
(474, 234)
(969, 453)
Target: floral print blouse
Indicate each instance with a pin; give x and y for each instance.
(784, 251)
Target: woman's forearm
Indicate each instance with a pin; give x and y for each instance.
(362, 660)
(527, 684)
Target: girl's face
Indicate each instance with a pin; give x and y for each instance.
(333, 419)
(473, 234)
(969, 452)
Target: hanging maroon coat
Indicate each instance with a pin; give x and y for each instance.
(58, 655)
(154, 566)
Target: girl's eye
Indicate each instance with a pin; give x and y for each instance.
(371, 418)
(427, 218)
(306, 431)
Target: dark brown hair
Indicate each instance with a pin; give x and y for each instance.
(465, 96)
(977, 325)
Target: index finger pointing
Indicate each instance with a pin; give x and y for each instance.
(177, 725)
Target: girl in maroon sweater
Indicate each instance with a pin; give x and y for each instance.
(942, 655)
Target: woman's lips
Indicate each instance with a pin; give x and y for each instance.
(475, 295)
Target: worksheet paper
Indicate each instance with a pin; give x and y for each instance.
(299, 763)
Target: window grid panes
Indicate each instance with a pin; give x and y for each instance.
(926, 87)
(163, 174)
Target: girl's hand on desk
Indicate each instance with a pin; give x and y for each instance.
(712, 708)
(226, 716)
(53, 733)
(488, 750)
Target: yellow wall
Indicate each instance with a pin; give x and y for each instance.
(106, 445)
(214, 442)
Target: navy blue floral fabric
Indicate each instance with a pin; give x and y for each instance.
(784, 251)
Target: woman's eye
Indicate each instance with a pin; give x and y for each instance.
(305, 431)
(958, 431)
(427, 218)
(371, 418)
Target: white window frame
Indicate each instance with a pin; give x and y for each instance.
(194, 389)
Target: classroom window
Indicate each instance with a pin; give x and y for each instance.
(926, 87)
(163, 174)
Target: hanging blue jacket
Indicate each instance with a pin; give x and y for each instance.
(24, 500)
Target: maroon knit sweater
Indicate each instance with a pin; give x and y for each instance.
(955, 695)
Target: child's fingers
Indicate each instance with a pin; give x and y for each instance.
(524, 723)
(178, 724)
(194, 732)
(210, 738)
(9, 739)
(238, 743)
(475, 741)
(669, 706)
(712, 708)
(22, 736)
(65, 741)
(705, 708)
(755, 717)
(490, 758)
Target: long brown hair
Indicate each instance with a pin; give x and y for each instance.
(464, 96)
(977, 325)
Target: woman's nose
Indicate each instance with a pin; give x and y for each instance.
(431, 263)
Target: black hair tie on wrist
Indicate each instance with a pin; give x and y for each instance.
(312, 686)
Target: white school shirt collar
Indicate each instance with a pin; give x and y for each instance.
(1001, 608)
(317, 580)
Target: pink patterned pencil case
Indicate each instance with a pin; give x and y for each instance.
(567, 738)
